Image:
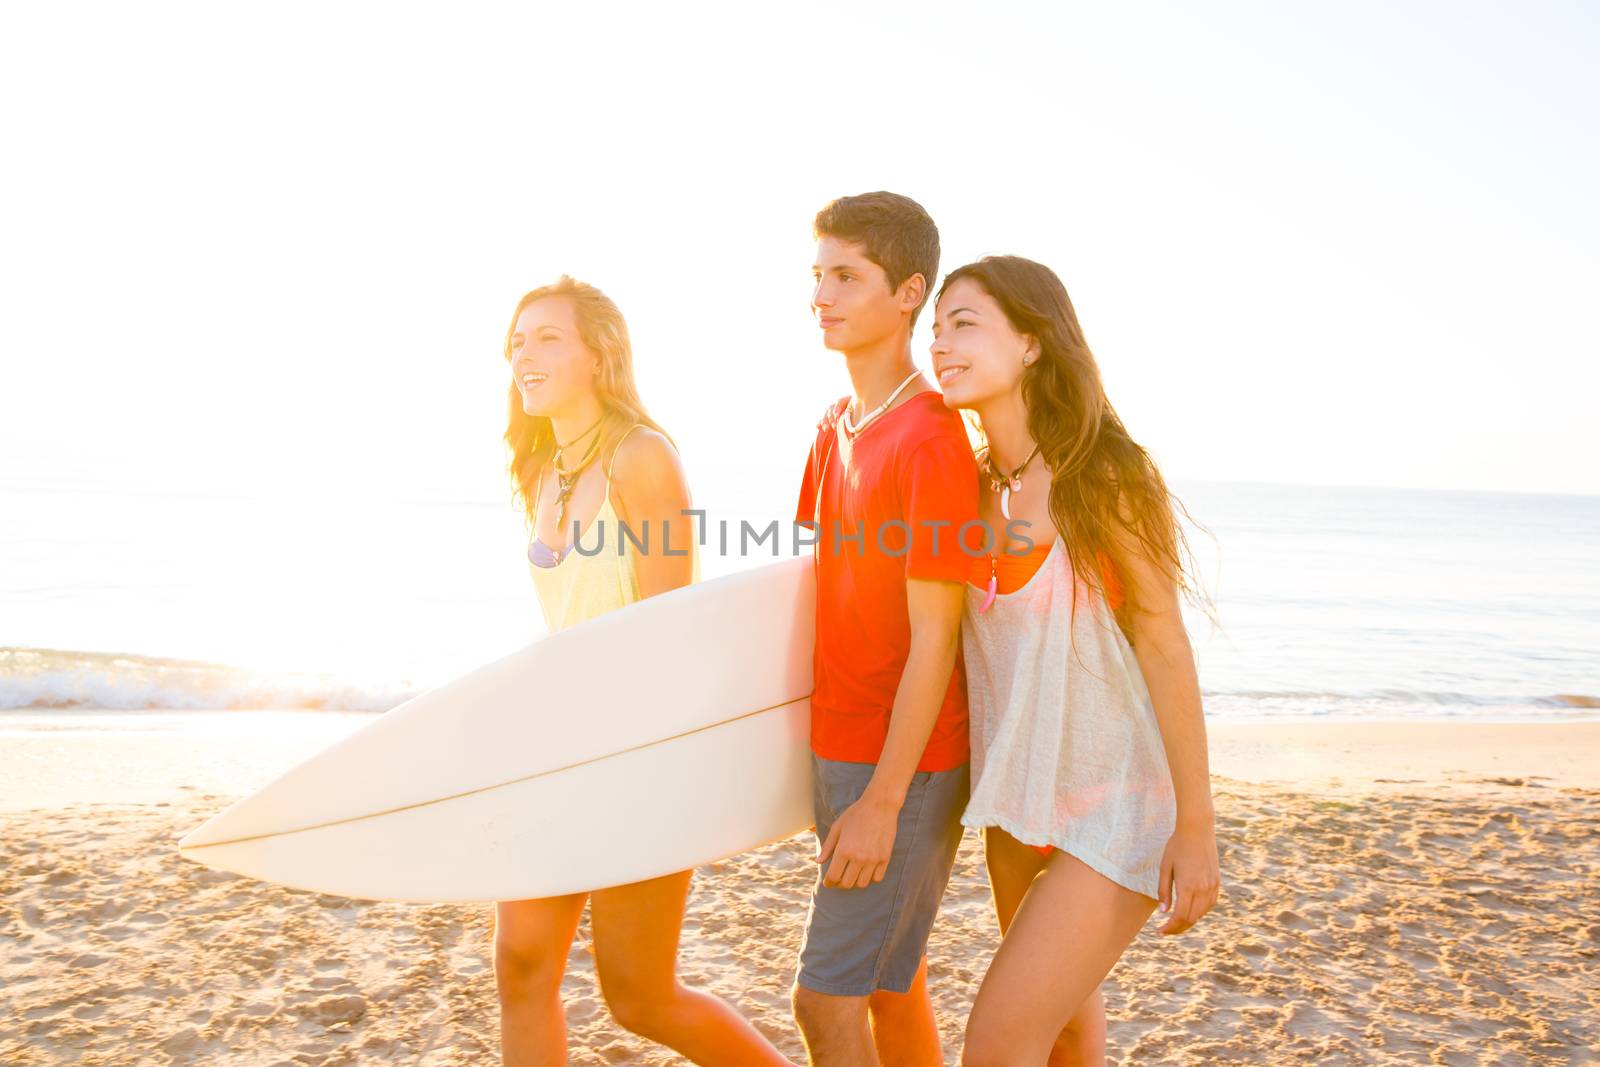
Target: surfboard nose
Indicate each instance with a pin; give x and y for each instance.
(211, 832)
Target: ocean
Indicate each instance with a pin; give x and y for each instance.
(1330, 603)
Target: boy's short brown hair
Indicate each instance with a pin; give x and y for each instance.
(893, 230)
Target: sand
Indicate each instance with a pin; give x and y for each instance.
(1423, 893)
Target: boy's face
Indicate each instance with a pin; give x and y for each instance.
(851, 298)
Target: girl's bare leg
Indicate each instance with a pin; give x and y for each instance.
(1040, 1001)
(636, 931)
(531, 942)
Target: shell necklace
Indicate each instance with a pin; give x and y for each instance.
(1006, 484)
(852, 427)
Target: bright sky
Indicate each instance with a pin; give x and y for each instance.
(276, 247)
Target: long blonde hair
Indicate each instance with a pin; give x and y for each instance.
(604, 332)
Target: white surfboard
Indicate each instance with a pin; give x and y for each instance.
(653, 739)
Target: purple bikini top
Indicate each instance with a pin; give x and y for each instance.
(542, 555)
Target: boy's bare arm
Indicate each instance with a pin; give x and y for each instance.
(862, 838)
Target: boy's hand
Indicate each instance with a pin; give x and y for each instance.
(860, 843)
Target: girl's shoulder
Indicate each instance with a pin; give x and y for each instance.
(640, 454)
(830, 417)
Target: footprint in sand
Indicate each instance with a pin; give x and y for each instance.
(335, 1009)
(1293, 920)
(182, 1043)
(1253, 949)
(211, 877)
(107, 910)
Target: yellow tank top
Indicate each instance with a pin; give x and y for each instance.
(581, 587)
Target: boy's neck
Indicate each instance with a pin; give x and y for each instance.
(876, 372)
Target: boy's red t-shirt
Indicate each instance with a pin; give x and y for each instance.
(911, 469)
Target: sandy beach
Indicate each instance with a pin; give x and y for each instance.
(1393, 892)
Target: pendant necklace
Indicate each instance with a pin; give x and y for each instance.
(1004, 484)
(567, 478)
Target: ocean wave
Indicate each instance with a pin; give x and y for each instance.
(1410, 696)
(51, 678)
(1398, 706)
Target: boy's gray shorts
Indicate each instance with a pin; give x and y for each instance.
(862, 940)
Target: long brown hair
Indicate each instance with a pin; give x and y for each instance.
(1101, 480)
(604, 332)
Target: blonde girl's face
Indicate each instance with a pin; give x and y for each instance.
(977, 355)
(550, 365)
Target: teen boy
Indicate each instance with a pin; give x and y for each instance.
(889, 484)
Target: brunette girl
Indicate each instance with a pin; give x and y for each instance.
(1089, 770)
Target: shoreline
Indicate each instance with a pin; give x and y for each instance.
(54, 758)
